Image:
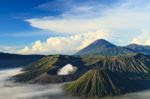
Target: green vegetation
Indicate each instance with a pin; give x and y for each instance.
(103, 69)
(97, 82)
(130, 64)
(47, 63)
(136, 63)
(95, 76)
(36, 68)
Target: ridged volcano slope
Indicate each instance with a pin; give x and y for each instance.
(112, 76)
(138, 63)
(100, 83)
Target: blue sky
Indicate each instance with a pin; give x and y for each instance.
(46, 26)
(15, 31)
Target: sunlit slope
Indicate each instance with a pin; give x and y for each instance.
(97, 82)
(53, 62)
(112, 76)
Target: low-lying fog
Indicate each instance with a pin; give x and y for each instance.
(10, 90)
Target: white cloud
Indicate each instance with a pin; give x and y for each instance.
(65, 25)
(64, 45)
(28, 91)
(82, 22)
(143, 38)
(127, 15)
(67, 69)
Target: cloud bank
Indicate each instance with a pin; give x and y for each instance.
(64, 45)
(51, 91)
(13, 90)
(124, 20)
(142, 38)
(87, 18)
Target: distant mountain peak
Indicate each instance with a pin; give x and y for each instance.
(101, 43)
(105, 48)
(96, 46)
(100, 40)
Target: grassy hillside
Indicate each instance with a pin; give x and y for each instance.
(135, 63)
(95, 75)
(47, 65)
(111, 76)
(97, 82)
(51, 64)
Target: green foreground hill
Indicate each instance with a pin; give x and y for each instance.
(100, 83)
(95, 75)
(48, 65)
(103, 69)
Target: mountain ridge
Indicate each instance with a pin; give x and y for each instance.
(50, 65)
(9, 60)
(115, 75)
(145, 49)
(105, 48)
(118, 70)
